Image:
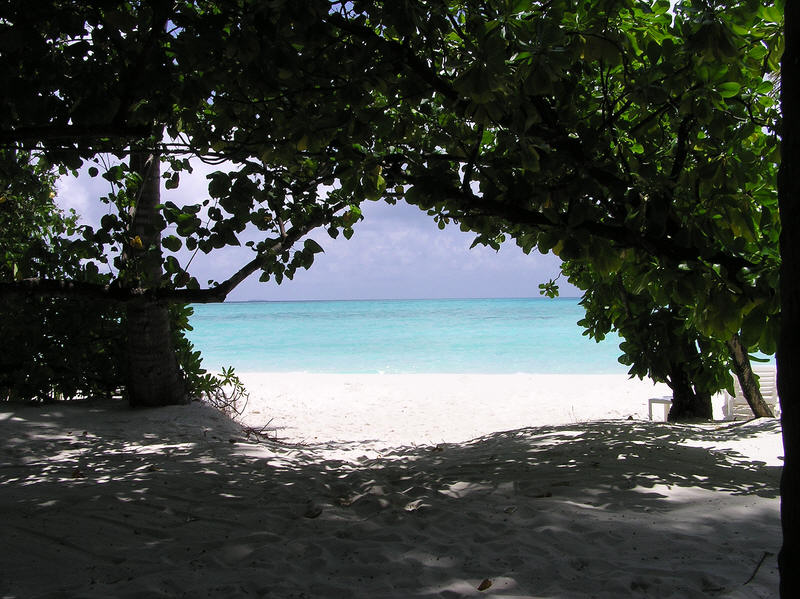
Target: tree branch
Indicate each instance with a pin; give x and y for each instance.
(658, 247)
(73, 132)
(473, 157)
(682, 149)
(411, 60)
(116, 293)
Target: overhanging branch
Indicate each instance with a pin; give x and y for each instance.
(50, 133)
(658, 247)
(112, 292)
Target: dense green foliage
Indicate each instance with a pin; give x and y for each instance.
(720, 186)
(273, 91)
(54, 347)
(658, 341)
(627, 140)
(65, 347)
(621, 137)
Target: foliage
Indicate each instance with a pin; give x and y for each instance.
(275, 92)
(55, 347)
(612, 133)
(657, 341)
(615, 134)
(65, 347)
(272, 91)
(741, 205)
(224, 390)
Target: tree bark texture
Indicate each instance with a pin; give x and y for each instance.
(153, 375)
(747, 380)
(687, 403)
(789, 339)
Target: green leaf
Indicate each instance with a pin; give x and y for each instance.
(171, 265)
(219, 184)
(109, 222)
(172, 243)
(114, 174)
(729, 89)
(172, 182)
(312, 246)
(753, 326)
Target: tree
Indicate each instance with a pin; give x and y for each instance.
(275, 92)
(504, 150)
(656, 340)
(156, 378)
(657, 167)
(607, 132)
(591, 129)
(695, 367)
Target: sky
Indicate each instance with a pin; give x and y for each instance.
(397, 252)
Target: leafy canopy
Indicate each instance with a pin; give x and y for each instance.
(614, 133)
(277, 93)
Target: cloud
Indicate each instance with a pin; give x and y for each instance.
(83, 194)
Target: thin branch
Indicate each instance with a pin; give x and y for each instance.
(457, 27)
(682, 150)
(411, 60)
(758, 565)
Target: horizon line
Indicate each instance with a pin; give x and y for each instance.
(395, 299)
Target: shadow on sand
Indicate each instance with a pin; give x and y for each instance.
(111, 502)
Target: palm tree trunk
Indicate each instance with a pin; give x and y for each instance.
(153, 376)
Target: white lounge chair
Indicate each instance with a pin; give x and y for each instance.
(736, 405)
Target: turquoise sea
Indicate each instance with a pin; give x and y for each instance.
(402, 336)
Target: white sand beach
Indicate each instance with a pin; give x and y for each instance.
(390, 486)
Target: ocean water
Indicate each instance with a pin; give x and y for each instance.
(402, 336)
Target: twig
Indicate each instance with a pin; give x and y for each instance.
(758, 565)
(259, 435)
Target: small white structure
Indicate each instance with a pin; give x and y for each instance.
(663, 403)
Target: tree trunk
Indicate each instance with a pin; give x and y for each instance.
(747, 380)
(153, 376)
(687, 403)
(789, 340)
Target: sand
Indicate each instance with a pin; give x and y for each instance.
(382, 486)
